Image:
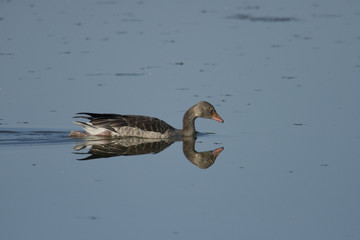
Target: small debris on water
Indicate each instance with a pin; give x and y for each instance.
(128, 74)
(252, 18)
(288, 77)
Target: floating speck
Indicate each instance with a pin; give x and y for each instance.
(88, 217)
(128, 74)
(288, 77)
(6, 54)
(252, 18)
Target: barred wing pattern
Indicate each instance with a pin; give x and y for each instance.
(114, 122)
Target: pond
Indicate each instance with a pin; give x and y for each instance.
(284, 77)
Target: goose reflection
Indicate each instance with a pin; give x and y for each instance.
(106, 148)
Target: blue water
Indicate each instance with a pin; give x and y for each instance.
(284, 75)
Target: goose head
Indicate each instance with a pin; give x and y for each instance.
(204, 109)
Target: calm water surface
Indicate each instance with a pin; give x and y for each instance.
(283, 75)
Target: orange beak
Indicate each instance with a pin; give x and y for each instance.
(217, 151)
(216, 117)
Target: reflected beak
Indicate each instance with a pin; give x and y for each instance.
(217, 151)
(216, 117)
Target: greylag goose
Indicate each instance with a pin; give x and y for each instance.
(115, 125)
(113, 147)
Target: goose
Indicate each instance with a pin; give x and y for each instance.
(132, 146)
(116, 125)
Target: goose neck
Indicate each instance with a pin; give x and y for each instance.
(189, 122)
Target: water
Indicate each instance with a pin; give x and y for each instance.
(283, 75)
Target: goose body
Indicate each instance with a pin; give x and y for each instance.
(116, 125)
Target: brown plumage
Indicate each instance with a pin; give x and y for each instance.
(144, 126)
